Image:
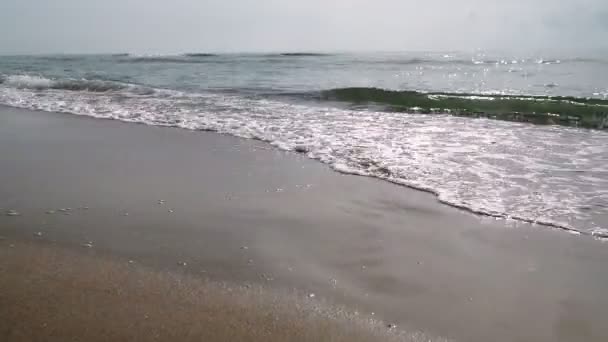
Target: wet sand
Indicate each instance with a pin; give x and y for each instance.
(50, 294)
(215, 208)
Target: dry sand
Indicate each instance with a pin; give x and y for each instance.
(241, 212)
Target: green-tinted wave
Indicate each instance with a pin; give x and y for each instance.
(564, 110)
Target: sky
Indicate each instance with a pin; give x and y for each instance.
(160, 26)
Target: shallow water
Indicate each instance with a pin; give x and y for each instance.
(547, 174)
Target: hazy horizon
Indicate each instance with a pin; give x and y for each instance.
(231, 26)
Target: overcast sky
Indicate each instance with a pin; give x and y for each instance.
(166, 26)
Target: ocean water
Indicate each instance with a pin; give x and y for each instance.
(394, 116)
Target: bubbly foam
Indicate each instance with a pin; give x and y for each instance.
(544, 174)
(27, 81)
(41, 83)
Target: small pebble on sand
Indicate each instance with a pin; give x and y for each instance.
(266, 277)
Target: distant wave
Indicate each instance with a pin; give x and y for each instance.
(186, 58)
(203, 57)
(303, 54)
(190, 56)
(176, 60)
(536, 109)
(200, 55)
(432, 61)
(400, 60)
(63, 58)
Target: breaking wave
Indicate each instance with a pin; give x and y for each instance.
(587, 112)
(98, 86)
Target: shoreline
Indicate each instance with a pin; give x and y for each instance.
(235, 210)
(598, 234)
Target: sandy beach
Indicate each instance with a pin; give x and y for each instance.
(50, 294)
(102, 221)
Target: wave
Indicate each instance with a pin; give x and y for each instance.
(64, 58)
(302, 54)
(97, 86)
(186, 58)
(478, 61)
(200, 54)
(541, 60)
(176, 60)
(562, 110)
(566, 110)
(202, 57)
(416, 61)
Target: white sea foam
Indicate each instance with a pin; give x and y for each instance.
(34, 82)
(544, 174)
(27, 81)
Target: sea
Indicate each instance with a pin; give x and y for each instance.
(393, 116)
